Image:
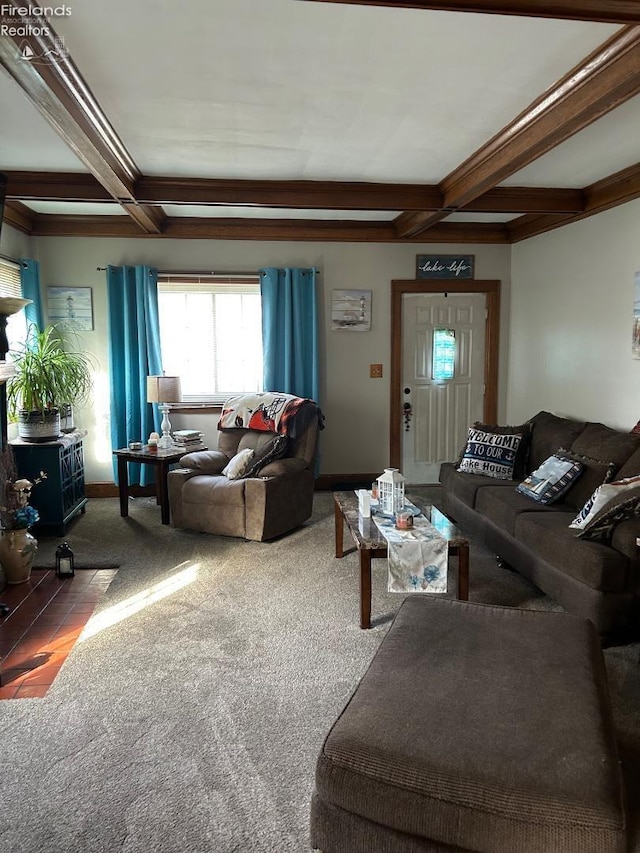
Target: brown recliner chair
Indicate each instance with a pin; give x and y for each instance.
(275, 501)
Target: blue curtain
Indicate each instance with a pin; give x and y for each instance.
(290, 331)
(30, 284)
(134, 354)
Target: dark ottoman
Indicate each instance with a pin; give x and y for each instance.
(476, 728)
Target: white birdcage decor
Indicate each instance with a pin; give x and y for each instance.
(391, 491)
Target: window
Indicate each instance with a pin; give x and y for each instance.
(444, 354)
(10, 286)
(211, 335)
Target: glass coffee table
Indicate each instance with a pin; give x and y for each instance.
(370, 543)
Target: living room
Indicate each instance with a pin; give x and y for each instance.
(565, 334)
(194, 723)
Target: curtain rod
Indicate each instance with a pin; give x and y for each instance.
(199, 272)
(203, 273)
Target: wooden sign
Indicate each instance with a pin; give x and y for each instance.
(444, 266)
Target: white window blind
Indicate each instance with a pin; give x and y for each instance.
(10, 286)
(9, 279)
(211, 334)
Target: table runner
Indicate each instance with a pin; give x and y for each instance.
(418, 558)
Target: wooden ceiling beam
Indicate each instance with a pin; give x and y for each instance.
(616, 189)
(528, 200)
(322, 230)
(409, 224)
(55, 186)
(602, 195)
(18, 215)
(531, 225)
(327, 195)
(194, 228)
(603, 81)
(608, 77)
(603, 11)
(59, 92)
(312, 195)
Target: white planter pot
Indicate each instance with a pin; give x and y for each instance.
(39, 426)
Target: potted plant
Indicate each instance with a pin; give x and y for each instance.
(48, 376)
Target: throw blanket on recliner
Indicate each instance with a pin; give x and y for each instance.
(269, 411)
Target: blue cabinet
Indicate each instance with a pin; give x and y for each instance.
(60, 497)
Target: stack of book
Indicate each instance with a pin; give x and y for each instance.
(187, 437)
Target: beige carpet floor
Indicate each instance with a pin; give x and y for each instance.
(189, 716)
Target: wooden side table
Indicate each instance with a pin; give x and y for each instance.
(162, 459)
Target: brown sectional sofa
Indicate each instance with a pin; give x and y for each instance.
(597, 580)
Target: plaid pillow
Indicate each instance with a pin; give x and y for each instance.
(551, 480)
(490, 454)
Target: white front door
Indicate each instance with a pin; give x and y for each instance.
(445, 391)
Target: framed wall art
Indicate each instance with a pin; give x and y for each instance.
(71, 308)
(445, 266)
(351, 311)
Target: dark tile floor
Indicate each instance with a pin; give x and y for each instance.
(47, 617)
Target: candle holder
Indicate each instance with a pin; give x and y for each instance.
(65, 563)
(391, 491)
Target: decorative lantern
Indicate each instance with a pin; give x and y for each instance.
(64, 561)
(391, 491)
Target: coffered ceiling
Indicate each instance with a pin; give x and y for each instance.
(475, 122)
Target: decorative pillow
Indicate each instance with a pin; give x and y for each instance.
(623, 506)
(269, 452)
(594, 473)
(239, 464)
(522, 454)
(490, 454)
(602, 496)
(551, 480)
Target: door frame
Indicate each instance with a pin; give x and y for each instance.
(399, 287)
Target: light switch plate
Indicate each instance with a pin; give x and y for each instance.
(375, 371)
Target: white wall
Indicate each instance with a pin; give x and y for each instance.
(571, 321)
(14, 244)
(356, 438)
(566, 328)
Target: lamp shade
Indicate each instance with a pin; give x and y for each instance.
(163, 389)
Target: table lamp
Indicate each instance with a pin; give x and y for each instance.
(164, 390)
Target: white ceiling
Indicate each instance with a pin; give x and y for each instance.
(286, 89)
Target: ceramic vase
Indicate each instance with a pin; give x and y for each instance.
(18, 549)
